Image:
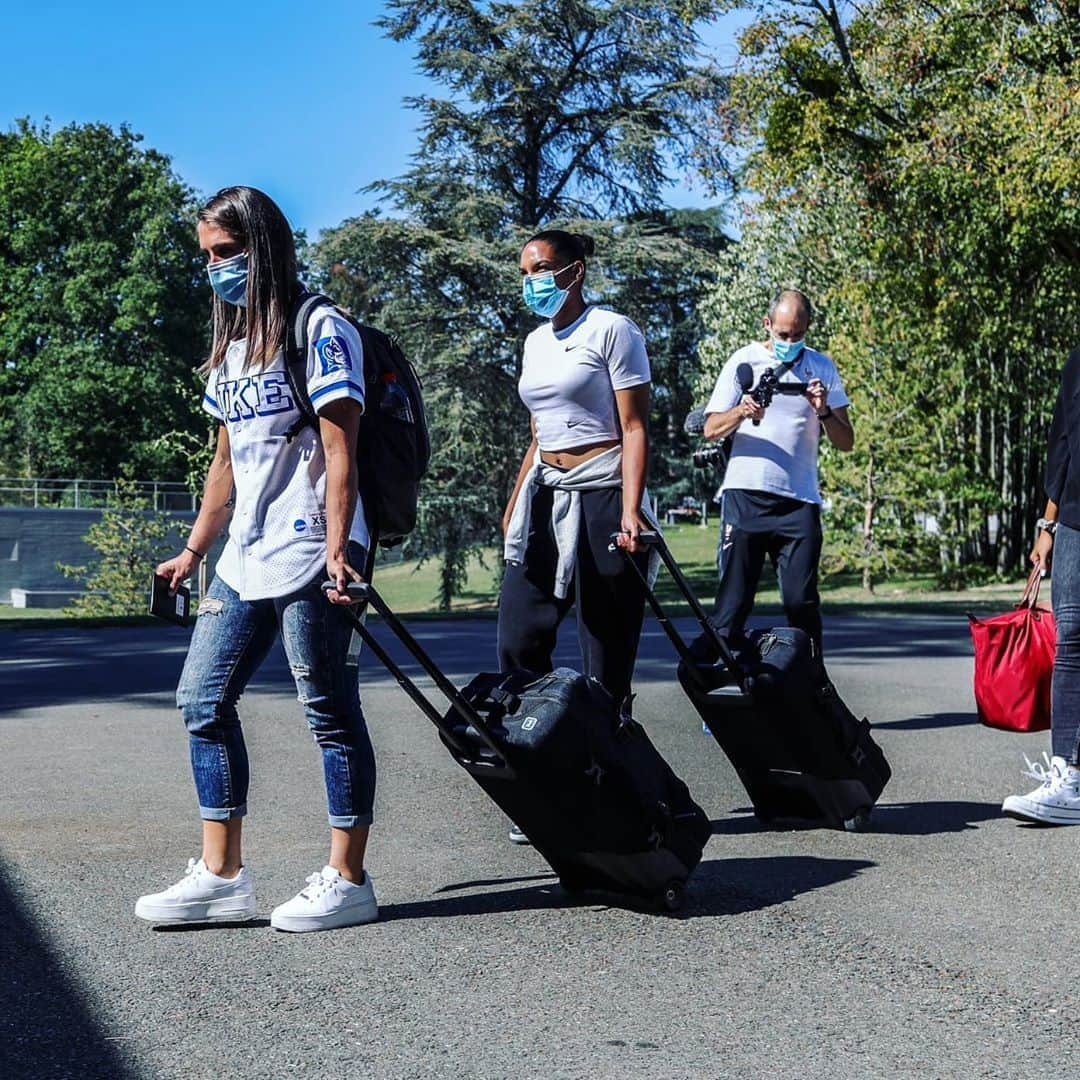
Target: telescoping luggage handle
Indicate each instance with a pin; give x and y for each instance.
(366, 593)
(653, 539)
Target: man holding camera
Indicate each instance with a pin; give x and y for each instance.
(775, 399)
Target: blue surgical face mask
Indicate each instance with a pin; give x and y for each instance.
(228, 279)
(542, 295)
(787, 352)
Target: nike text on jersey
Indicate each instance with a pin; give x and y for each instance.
(277, 535)
(260, 394)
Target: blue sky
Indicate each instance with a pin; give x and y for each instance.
(303, 100)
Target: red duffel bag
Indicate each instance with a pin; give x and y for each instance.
(1014, 660)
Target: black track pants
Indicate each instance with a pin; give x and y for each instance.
(755, 525)
(609, 595)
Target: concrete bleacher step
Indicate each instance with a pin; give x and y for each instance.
(45, 598)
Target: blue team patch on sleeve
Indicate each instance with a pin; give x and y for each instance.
(333, 354)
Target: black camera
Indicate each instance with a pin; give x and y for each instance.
(768, 385)
(706, 457)
(709, 456)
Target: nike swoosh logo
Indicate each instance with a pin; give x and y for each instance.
(572, 423)
(569, 347)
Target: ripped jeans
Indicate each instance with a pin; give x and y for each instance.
(230, 641)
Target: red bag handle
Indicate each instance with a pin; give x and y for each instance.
(1030, 596)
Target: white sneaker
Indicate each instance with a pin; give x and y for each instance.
(517, 836)
(327, 902)
(200, 896)
(1056, 801)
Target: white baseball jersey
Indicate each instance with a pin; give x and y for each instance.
(780, 455)
(277, 535)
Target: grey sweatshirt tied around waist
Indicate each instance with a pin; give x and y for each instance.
(602, 471)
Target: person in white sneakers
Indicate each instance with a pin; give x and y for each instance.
(1056, 801)
(296, 519)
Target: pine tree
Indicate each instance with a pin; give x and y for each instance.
(568, 114)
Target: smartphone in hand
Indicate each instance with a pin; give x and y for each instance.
(174, 609)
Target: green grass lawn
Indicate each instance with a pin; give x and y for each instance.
(411, 587)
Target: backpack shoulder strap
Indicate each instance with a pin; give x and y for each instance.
(296, 350)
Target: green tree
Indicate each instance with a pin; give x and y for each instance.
(102, 303)
(564, 114)
(922, 157)
(131, 538)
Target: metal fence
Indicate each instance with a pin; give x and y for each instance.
(90, 494)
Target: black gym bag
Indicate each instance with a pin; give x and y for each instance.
(799, 751)
(577, 776)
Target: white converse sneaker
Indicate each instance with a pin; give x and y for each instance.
(200, 896)
(1056, 801)
(327, 902)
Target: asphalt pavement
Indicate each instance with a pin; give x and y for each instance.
(939, 944)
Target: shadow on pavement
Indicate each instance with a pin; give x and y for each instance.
(47, 1026)
(495, 881)
(929, 818)
(41, 668)
(896, 819)
(718, 887)
(533, 898)
(738, 886)
(742, 823)
(188, 928)
(928, 723)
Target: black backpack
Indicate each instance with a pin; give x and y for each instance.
(392, 447)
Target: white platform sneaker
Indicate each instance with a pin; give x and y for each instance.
(1056, 801)
(200, 896)
(327, 902)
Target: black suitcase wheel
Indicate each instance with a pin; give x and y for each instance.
(859, 821)
(672, 897)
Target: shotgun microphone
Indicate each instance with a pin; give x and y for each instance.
(695, 422)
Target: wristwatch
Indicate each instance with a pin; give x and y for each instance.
(1046, 525)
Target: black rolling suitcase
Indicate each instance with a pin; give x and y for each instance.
(583, 782)
(800, 753)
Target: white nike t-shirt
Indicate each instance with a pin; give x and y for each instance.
(780, 454)
(277, 535)
(569, 377)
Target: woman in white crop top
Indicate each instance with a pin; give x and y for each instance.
(585, 381)
(584, 376)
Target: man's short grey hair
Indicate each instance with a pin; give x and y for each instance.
(783, 295)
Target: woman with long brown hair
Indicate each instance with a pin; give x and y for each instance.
(290, 501)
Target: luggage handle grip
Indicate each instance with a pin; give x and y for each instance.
(652, 538)
(365, 593)
(646, 538)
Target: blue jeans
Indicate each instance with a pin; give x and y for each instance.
(230, 641)
(1065, 687)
